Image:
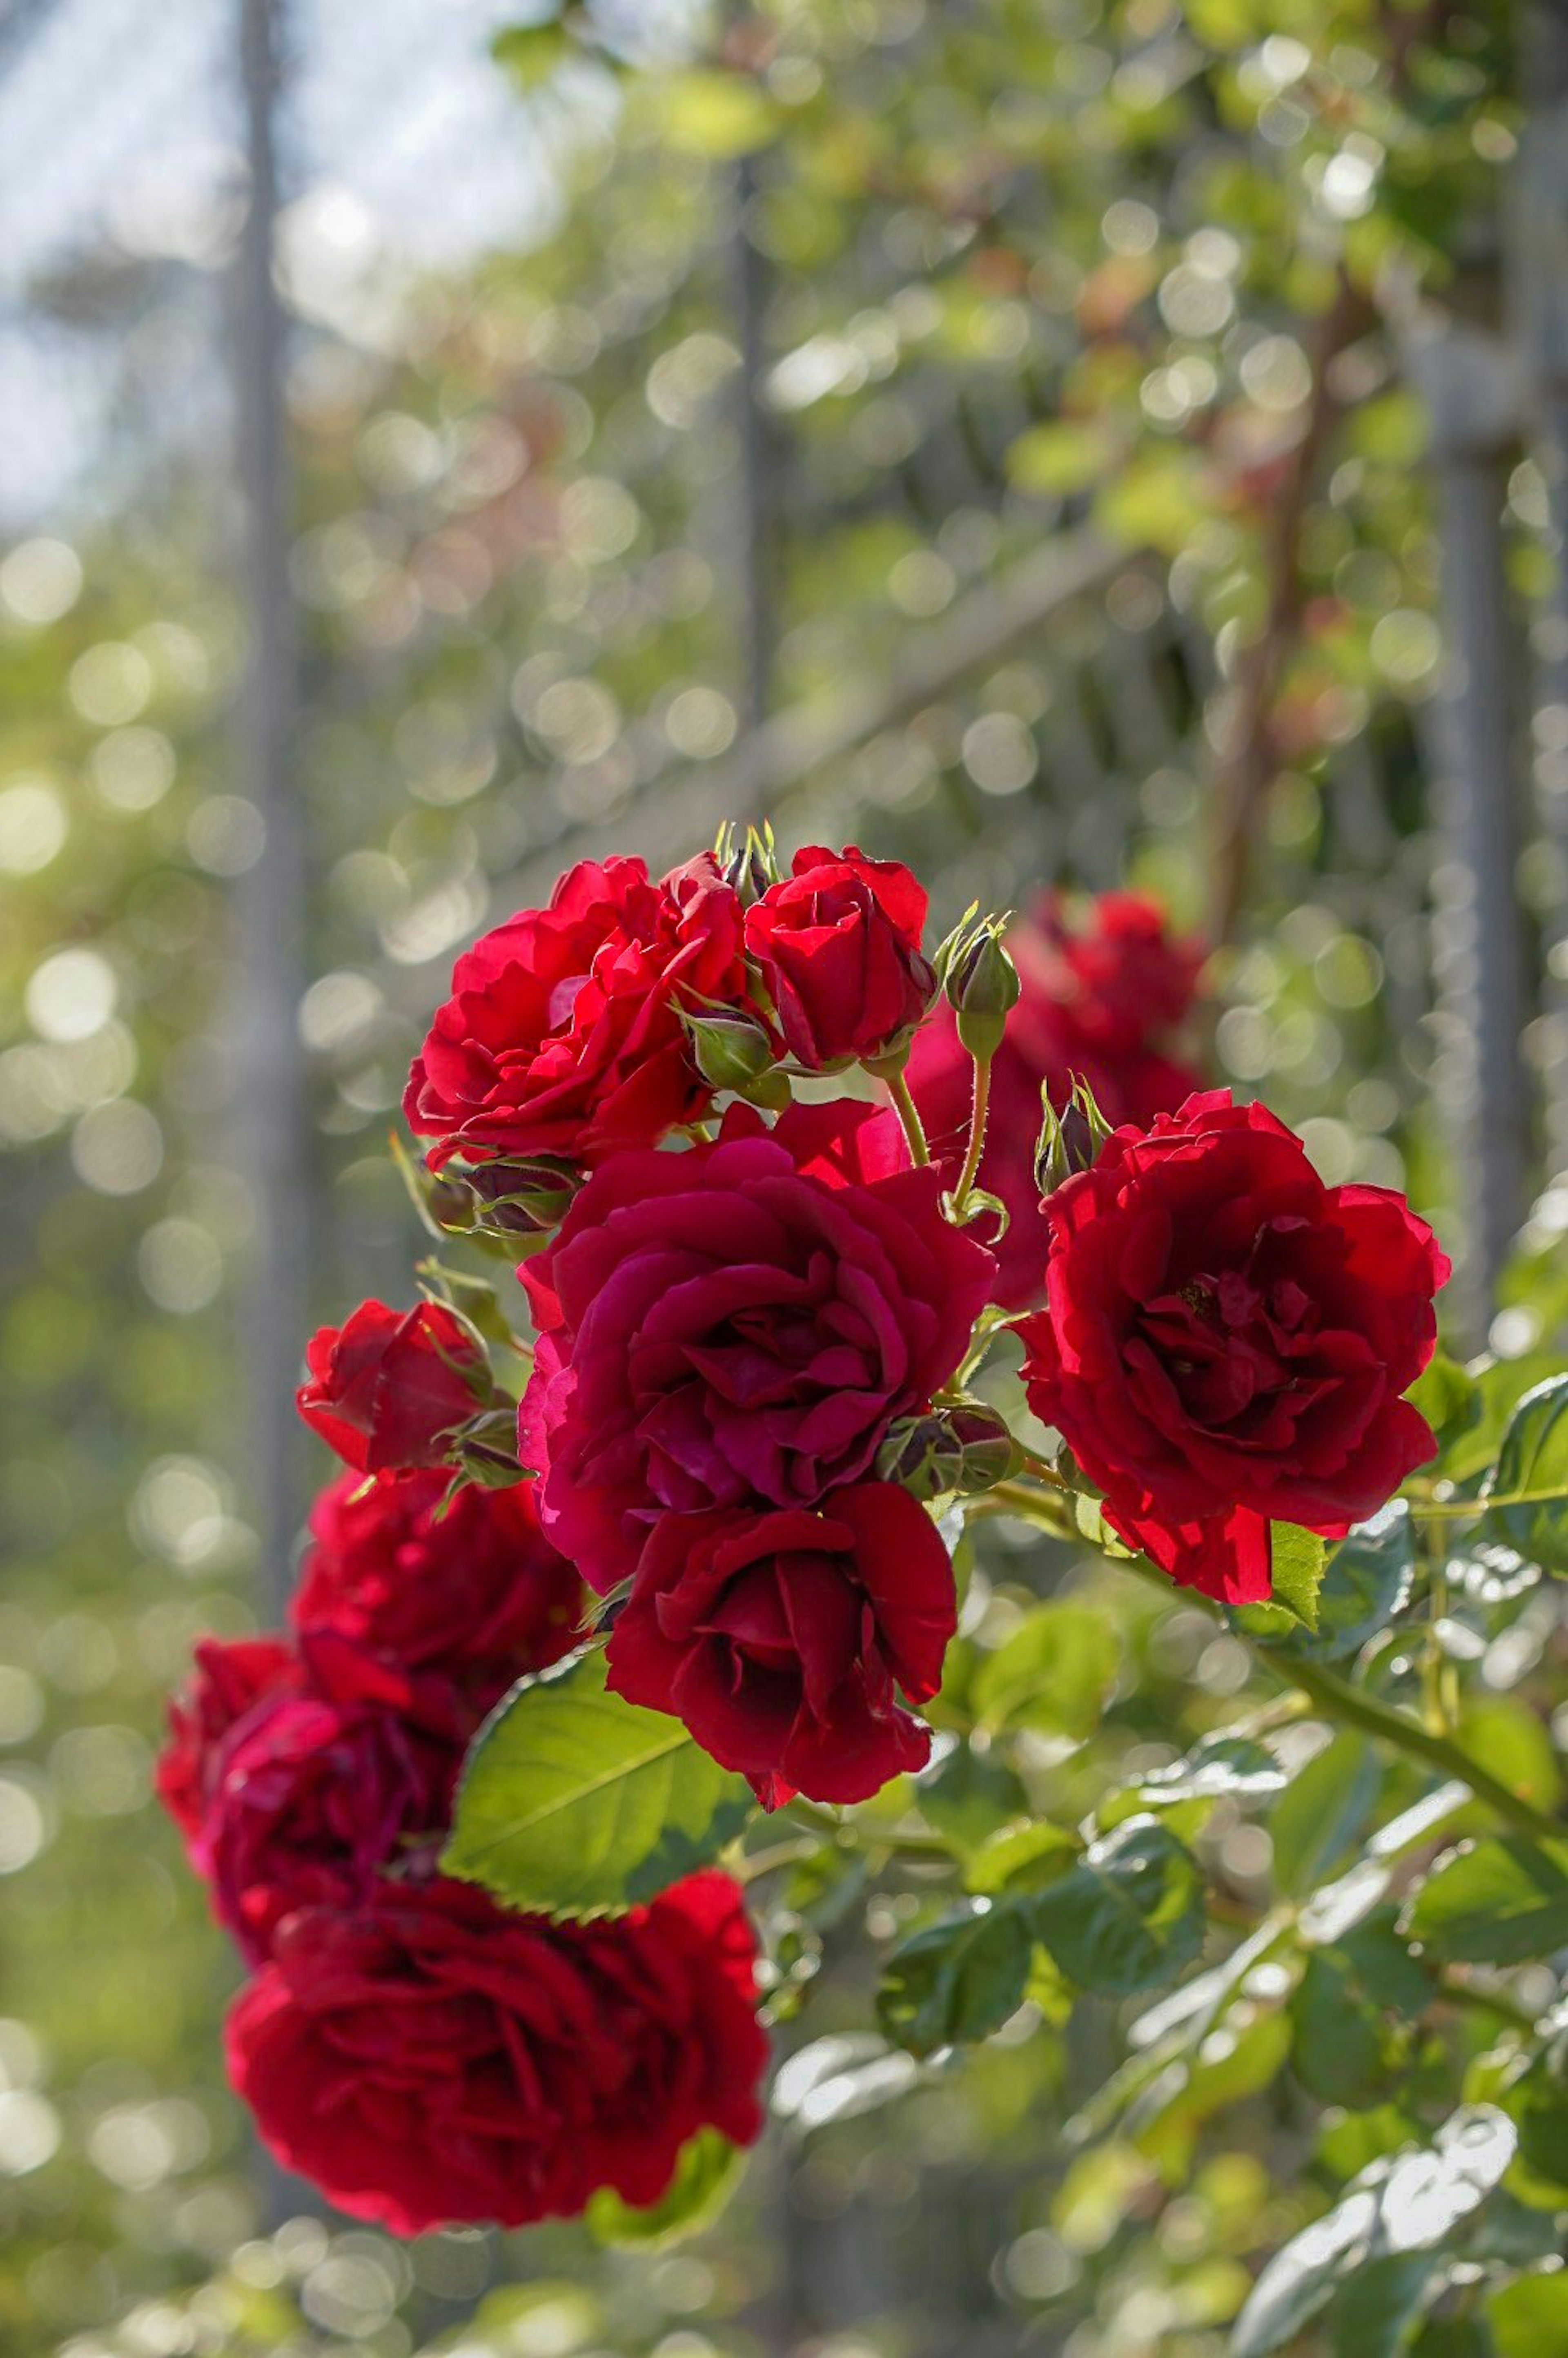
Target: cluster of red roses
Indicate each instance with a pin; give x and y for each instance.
(419, 2052)
(745, 1392)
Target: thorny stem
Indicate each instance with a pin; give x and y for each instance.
(976, 1145)
(905, 1108)
(1432, 1510)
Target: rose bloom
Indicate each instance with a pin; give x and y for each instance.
(836, 945)
(472, 1588)
(389, 1387)
(324, 1773)
(563, 1034)
(738, 1324)
(781, 1638)
(432, 2058)
(1224, 1340)
(1101, 1001)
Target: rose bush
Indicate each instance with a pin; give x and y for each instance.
(782, 1640)
(738, 1324)
(1225, 1340)
(428, 2057)
(563, 1034)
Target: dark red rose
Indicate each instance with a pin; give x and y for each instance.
(389, 1387)
(563, 1034)
(1225, 1340)
(781, 1638)
(229, 1677)
(837, 944)
(431, 2059)
(312, 1788)
(737, 1325)
(1101, 1001)
(474, 1591)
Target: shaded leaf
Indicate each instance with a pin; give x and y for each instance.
(1234, 1765)
(957, 1980)
(1053, 1674)
(1533, 1457)
(1530, 2317)
(1129, 1916)
(1322, 1812)
(1497, 1901)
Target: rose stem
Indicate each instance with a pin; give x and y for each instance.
(976, 1145)
(905, 1107)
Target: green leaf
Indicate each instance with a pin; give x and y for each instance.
(957, 1980)
(1404, 2204)
(1538, 2104)
(1350, 2009)
(1022, 1858)
(1500, 1385)
(1129, 1916)
(1374, 2312)
(1322, 1812)
(1239, 2064)
(532, 54)
(1530, 2317)
(1497, 1901)
(1052, 1675)
(1295, 1561)
(1449, 1397)
(1220, 1765)
(1365, 1582)
(1534, 1458)
(707, 2171)
(575, 1802)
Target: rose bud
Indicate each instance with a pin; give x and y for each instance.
(982, 988)
(1069, 1140)
(837, 945)
(732, 1052)
(964, 1448)
(750, 868)
(392, 1387)
(515, 1195)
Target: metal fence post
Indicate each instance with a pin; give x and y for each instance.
(277, 1145)
(1469, 385)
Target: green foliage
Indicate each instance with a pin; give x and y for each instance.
(1530, 1484)
(707, 2174)
(957, 1980)
(575, 1802)
(1498, 1900)
(1052, 1675)
(1129, 1916)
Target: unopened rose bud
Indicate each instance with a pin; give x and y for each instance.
(485, 1449)
(982, 987)
(751, 866)
(511, 1196)
(1069, 1140)
(733, 1051)
(966, 1448)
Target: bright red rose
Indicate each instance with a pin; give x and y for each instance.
(388, 1386)
(1224, 1340)
(431, 2058)
(737, 1325)
(837, 944)
(563, 1034)
(781, 1638)
(1101, 1001)
(305, 1794)
(474, 1591)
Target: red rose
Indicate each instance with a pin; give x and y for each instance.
(389, 1387)
(563, 1034)
(1224, 1340)
(837, 944)
(309, 1791)
(737, 1325)
(431, 2059)
(475, 1591)
(780, 1639)
(1100, 1002)
(230, 1675)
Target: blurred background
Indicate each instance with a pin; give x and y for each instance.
(1054, 442)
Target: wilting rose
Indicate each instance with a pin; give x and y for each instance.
(782, 1639)
(1225, 1340)
(837, 945)
(388, 1387)
(316, 1785)
(563, 1035)
(1102, 1001)
(737, 1325)
(431, 2058)
(472, 1589)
